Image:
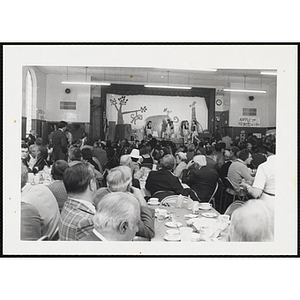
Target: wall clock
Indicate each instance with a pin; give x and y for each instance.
(219, 102)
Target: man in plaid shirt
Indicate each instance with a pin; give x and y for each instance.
(77, 216)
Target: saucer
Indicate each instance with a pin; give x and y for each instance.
(153, 203)
(209, 215)
(190, 216)
(175, 238)
(173, 225)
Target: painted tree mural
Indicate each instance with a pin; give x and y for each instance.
(135, 114)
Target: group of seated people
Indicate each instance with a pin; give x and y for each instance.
(92, 200)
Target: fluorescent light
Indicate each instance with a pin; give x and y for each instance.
(209, 70)
(85, 82)
(244, 91)
(168, 87)
(274, 73)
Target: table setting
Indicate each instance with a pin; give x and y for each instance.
(180, 219)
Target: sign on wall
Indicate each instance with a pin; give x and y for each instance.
(248, 121)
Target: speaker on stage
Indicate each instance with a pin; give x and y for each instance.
(123, 131)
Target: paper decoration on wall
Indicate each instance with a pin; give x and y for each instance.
(135, 115)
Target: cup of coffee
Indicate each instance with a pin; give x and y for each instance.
(161, 215)
(186, 234)
(154, 201)
(173, 234)
(205, 205)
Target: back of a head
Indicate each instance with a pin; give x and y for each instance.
(125, 160)
(58, 169)
(86, 153)
(253, 222)
(226, 154)
(62, 124)
(39, 142)
(114, 209)
(74, 153)
(77, 177)
(168, 162)
(244, 154)
(119, 178)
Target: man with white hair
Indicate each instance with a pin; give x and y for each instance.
(117, 218)
(252, 222)
(119, 179)
(201, 178)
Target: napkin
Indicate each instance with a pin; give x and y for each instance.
(215, 226)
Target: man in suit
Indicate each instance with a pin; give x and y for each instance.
(163, 183)
(116, 219)
(201, 178)
(76, 219)
(60, 143)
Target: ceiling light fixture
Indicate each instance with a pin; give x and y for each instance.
(208, 70)
(245, 90)
(273, 73)
(167, 87)
(85, 82)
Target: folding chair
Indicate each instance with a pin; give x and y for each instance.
(212, 198)
(233, 206)
(231, 191)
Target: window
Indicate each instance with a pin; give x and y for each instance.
(249, 111)
(29, 100)
(67, 105)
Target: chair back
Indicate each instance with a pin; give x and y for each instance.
(214, 192)
(233, 206)
(228, 184)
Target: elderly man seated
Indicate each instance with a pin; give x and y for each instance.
(253, 222)
(163, 182)
(117, 218)
(201, 178)
(119, 179)
(76, 219)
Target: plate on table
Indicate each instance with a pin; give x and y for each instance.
(172, 238)
(190, 216)
(209, 215)
(173, 225)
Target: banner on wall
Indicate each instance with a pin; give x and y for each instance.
(247, 121)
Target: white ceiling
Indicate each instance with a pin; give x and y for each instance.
(122, 75)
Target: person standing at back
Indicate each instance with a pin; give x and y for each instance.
(60, 143)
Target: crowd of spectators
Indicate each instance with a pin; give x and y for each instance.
(87, 178)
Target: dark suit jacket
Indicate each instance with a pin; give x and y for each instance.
(60, 145)
(90, 237)
(202, 181)
(163, 180)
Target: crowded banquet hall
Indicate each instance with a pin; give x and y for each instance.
(148, 154)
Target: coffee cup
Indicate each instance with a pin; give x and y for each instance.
(161, 214)
(173, 233)
(204, 205)
(154, 201)
(186, 234)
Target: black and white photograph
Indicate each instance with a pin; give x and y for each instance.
(150, 150)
